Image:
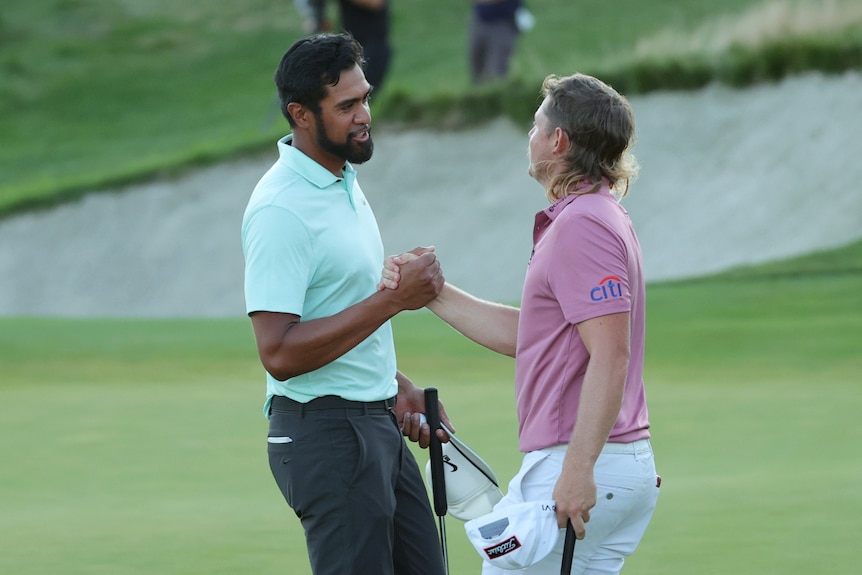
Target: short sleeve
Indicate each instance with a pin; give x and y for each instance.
(278, 261)
(589, 276)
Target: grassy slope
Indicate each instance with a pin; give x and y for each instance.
(133, 89)
(97, 92)
(134, 447)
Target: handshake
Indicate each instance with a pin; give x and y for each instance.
(414, 278)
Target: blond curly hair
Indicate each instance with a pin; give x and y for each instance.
(601, 128)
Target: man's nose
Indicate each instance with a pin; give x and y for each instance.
(363, 116)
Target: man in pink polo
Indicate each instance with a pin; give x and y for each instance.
(578, 338)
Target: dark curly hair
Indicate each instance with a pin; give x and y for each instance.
(313, 64)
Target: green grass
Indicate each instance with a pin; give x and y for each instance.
(98, 93)
(134, 447)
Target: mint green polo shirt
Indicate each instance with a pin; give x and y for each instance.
(312, 248)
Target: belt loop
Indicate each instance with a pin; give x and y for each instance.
(301, 410)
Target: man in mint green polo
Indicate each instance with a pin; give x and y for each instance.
(313, 256)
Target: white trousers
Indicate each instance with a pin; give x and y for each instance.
(627, 491)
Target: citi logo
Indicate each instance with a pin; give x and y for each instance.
(501, 549)
(609, 288)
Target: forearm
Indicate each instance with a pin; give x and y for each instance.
(599, 406)
(289, 346)
(308, 345)
(489, 324)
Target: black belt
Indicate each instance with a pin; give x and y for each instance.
(281, 403)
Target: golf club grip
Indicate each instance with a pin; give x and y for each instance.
(435, 453)
(568, 550)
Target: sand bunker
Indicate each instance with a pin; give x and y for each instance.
(727, 178)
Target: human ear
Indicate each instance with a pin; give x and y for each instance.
(299, 113)
(561, 141)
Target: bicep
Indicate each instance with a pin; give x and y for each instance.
(606, 334)
(270, 329)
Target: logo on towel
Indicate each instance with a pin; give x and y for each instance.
(448, 461)
(503, 548)
(610, 287)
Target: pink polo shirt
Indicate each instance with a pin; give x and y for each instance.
(586, 263)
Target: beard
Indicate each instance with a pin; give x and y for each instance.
(540, 170)
(353, 152)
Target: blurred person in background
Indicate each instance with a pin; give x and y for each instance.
(368, 21)
(313, 14)
(493, 32)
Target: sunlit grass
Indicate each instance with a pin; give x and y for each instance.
(137, 446)
(759, 25)
(97, 93)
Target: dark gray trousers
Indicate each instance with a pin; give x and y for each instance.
(491, 48)
(355, 486)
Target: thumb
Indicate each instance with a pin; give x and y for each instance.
(422, 250)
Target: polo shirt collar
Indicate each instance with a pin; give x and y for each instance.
(549, 214)
(316, 174)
